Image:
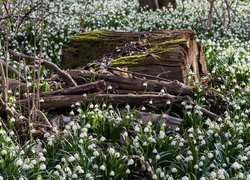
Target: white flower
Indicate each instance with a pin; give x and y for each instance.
(96, 153)
(42, 167)
(210, 155)
(143, 108)
(71, 158)
(58, 167)
(184, 178)
(112, 173)
(102, 167)
(102, 139)
(173, 170)
(74, 176)
(137, 129)
(236, 166)
(56, 173)
(4, 152)
(127, 171)
(213, 174)
(42, 159)
(130, 162)
(161, 134)
(19, 162)
(111, 151)
(157, 157)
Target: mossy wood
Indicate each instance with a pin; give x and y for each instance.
(168, 54)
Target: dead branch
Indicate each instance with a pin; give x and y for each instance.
(136, 84)
(98, 86)
(53, 67)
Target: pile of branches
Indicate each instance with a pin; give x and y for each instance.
(116, 86)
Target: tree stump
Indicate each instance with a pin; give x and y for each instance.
(163, 53)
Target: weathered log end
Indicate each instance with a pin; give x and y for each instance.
(163, 53)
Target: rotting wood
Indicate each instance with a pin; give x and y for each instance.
(162, 53)
(98, 86)
(159, 101)
(136, 84)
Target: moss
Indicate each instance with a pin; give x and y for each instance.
(128, 61)
(176, 41)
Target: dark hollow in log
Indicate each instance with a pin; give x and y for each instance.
(163, 53)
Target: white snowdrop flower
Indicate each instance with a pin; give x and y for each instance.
(56, 173)
(58, 167)
(117, 154)
(143, 108)
(201, 163)
(127, 171)
(112, 173)
(155, 151)
(162, 175)
(162, 134)
(19, 162)
(173, 143)
(7, 139)
(33, 162)
(130, 162)
(91, 106)
(154, 176)
(196, 166)
(42, 167)
(157, 157)
(181, 144)
(178, 157)
(74, 127)
(1, 177)
(210, 155)
(102, 139)
(111, 151)
(4, 152)
(177, 129)
(145, 84)
(96, 153)
(12, 120)
(81, 141)
(77, 104)
(184, 178)
(173, 170)
(241, 175)
(203, 142)
(168, 102)
(83, 135)
(146, 129)
(110, 87)
(72, 113)
(102, 167)
(236, 166)
(213, 174)
(151, 139)
(88, 176)
(202, 178)
(145, 143)
(25, 166)
(71, 159)
(240, 146)
(137, 129)
(162, 91)
(74, 176)
(95, 166)
(42, 159)
(150, 102)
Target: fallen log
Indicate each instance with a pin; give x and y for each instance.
(98, 86)
(135, 84)
(63, 101)
(162, 53)
(159, 101)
